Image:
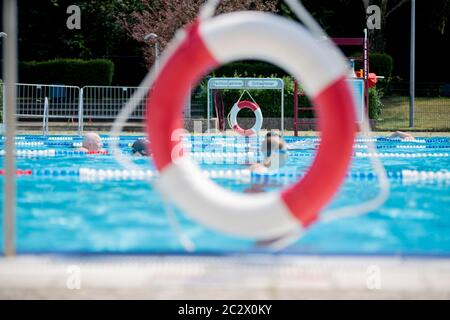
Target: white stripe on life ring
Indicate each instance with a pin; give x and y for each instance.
(258, 216)
(261, 36)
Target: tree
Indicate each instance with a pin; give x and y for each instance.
(43, 34)
(341, 18)
(165, 17)
(439, 15)
(378, 36)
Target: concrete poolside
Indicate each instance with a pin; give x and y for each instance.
(230, 277)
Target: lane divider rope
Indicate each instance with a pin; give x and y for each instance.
(245, 174)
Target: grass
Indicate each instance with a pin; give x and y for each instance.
(431, 114)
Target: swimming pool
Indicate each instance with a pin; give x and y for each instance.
(74, 203)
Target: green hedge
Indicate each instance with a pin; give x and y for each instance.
(379, 63)
(375, 104)
(68, 72)
(249, 69)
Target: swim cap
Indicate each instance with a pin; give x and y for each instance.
(140, 146)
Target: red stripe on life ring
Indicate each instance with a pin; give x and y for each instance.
(243, 132)
(336, 120)
(187, 64)
(245, 104)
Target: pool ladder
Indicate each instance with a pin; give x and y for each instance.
(45, 117)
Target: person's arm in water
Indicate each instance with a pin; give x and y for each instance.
(258, 168)
(274, 149)
(402, 135)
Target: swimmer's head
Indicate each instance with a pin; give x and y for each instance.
(273, 133)
(272, 143)
(92, 142)
(139, 147)
(274, 149)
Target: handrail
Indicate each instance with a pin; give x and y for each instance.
(80, 112)
(45, 117)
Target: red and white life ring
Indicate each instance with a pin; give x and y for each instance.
(245, 104)
(257, 36)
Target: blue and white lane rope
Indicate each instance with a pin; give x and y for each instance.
(231, 139)
(244, 175)
(202, 145)
(401, 155)
(224, 157)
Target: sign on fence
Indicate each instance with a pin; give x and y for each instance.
(245, 83)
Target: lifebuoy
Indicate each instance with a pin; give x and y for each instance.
(245, 104)
(225, 38)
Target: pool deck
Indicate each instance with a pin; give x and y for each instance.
(225, 277)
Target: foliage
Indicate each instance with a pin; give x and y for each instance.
(68, 72)
(249, 69)
(379, 63)
(164, 18)
(375, 104)
(43, 34)
(114, 29)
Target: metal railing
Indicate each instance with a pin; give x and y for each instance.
(432, 111)
(63, 101)
(431, 107)
(106, 102)
(42, 101)
(45, 118)
(73, 103)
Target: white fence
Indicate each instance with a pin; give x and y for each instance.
(75, 103)
(106, 102)
(64, 101)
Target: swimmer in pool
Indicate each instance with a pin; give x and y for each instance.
(402, 135)
(139, 148)
(274, 149)
(307, 144)
(91, 143)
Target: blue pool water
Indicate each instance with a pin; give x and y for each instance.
(58, 211)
